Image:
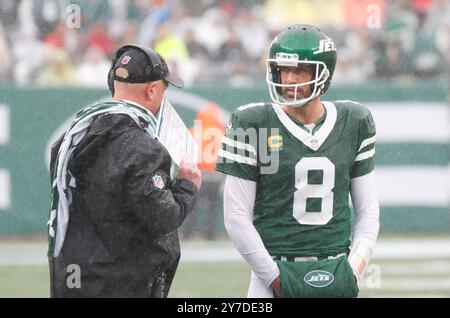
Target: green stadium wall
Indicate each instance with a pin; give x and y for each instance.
(412, 167)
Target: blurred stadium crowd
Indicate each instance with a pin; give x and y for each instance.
(218, 41)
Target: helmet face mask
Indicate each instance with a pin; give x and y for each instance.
(276, 88)
(299, 46)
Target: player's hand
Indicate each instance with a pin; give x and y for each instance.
(189, 171)
(276, 287)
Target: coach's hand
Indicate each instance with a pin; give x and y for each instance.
(189, 171)
(276, 287)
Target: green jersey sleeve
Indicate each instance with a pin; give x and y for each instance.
(365, 159)
(237, 155)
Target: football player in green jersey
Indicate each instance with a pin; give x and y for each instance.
(291, 166)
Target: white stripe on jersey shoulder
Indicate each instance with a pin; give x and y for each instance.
(365, 155)
(347, 101)
(237, 158)
(367, 142)
(250, 105)
(238, 144)
(311, 141)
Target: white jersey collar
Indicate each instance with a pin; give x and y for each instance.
(311, 141)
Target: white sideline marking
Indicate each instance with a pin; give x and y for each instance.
(223, 251)
(412, 284)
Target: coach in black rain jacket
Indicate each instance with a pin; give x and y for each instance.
(121, 239)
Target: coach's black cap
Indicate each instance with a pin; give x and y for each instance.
(138, 64)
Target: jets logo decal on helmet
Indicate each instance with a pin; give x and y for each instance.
(325, 46)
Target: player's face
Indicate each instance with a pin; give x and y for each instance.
(296, 75)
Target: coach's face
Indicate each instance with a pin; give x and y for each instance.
(296, 75)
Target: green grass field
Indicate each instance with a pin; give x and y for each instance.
(230, 280)
(221, 275)
(193, 280)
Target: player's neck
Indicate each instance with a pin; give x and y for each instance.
(307, 114)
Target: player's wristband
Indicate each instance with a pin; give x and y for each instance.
(359, 258)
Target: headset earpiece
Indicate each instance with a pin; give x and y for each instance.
(111, 76)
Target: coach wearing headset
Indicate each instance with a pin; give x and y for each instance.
(115, 210)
